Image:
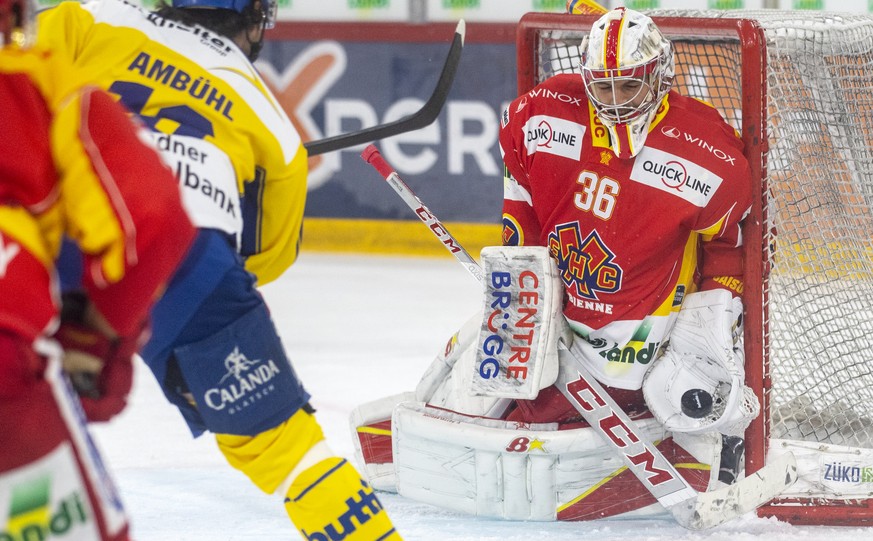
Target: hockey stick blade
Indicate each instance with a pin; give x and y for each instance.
(421, 118)
(710, 509)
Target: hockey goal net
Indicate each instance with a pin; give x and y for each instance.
(799, 88)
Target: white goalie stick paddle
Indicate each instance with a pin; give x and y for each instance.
(691, 509)
(419, 119)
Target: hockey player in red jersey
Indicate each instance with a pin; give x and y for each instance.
(72, 164)
(636, 193)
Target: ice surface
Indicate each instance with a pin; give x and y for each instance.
(356, 328)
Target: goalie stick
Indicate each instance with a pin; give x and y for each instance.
(372, 156)
(691, 509)
(419, 119)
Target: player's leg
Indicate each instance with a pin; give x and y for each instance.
(228, 373)
(51, 475)
(249, 396)
(324, 495)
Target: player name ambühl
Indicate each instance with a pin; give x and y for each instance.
(178, 79)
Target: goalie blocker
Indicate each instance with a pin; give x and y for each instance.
(517, 346)
(508, 469)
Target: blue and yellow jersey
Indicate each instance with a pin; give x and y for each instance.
(239, 161)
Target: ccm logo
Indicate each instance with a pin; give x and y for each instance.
(618, 432)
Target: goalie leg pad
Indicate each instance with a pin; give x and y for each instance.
(706, 448)
(371, 432)
(505, 470)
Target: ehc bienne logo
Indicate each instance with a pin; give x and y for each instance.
(585, 264)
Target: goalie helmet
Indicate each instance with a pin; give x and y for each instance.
(17, 22)
(269, 7)
(627, 69)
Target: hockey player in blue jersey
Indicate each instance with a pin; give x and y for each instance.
(186, 70)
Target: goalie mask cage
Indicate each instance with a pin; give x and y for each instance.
(799, 88)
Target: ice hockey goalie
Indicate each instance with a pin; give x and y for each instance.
(622, 252)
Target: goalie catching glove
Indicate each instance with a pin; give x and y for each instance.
(697, 385)
(97, 360)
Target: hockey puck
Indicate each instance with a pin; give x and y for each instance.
(696, 403)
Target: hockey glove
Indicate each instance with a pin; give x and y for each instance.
(98, 362)
(698, 384)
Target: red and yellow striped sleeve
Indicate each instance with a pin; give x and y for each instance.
(126, 215)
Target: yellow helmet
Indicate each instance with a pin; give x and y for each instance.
(585, 7)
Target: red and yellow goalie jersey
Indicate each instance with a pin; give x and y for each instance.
(631, 237)
(240, 163)
(73, 164)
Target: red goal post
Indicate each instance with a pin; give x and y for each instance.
(799, 88)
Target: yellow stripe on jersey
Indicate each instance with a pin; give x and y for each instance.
(687, 267)
(19, 224)
(89, 217)
(280, 221)
(715, 228)
(599, 137)
(98, 229)
(663, 109)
